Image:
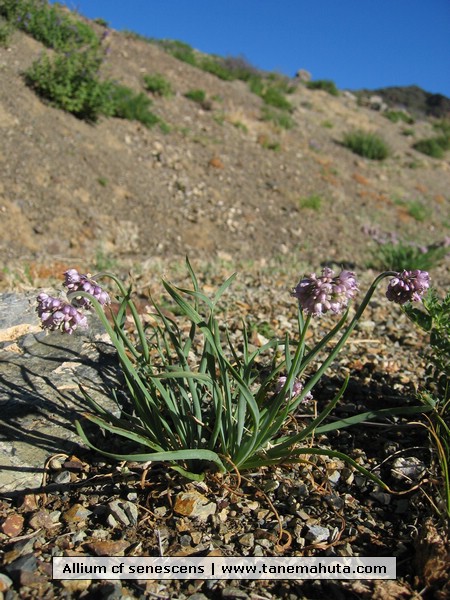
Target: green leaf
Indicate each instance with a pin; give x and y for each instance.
(166, 456)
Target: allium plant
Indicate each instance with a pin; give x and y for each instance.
(199, 401)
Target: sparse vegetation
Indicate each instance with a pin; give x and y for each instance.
(313, 202)
(269, 144)
(5, 33)
(49, 24)
(323, 84)
(180, 50)
(196, 95)
(403, 255)
(368, 145)
(216, 66)
(417, 210)
(133, 106)
(157, 84)
(435, 147)
(398, 115)
(280, 118)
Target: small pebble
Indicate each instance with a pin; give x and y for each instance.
(12, 526)
(316, 534)
(62, 477)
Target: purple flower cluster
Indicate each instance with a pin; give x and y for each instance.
(75, 282)
(318, 295)
(56, 313)
(296, 389)
(408, 286)
(59, 314)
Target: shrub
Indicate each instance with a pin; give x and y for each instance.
(197, 95)
(434, 146)
(48, 24)
(399, 256)
(70, 82)
(5, 34)
(273, 96)
(368, 145)
(394, 254)
(215, 66)
(240, 68)
(398, 115)
(417, 210)
(278, 117)
(325, 85)
(132, 106)
(180, 50)
(158, 84)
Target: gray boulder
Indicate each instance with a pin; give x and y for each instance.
(40, 373)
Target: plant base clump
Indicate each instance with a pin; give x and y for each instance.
(199, 401)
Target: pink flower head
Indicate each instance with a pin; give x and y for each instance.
(76, 282)
(318, 295)
(59, 314)
(408, 286)
(296, 388)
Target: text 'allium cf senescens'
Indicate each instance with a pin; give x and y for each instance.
(318, 295)
(59, 314)
(408, 286)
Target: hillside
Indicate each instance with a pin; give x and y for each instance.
(218, 182)
(242, 171)
(415, 100)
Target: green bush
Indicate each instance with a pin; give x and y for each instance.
(278, 117)
(158, 84)
(70, 82)
(417, 210)
(368, 145)
(398, 115)
(132, 106)
(240, 68)
(198, 96)
(48, 24)
(434, 146)
(323, 84)
(180, 50)
(400, 256)
(5, 34)
(273, 96)
(216, 67)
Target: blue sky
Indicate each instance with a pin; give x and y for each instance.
(356, 43)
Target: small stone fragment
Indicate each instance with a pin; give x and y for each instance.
(62, 477)
(5, 583)
(409, 468)
(76, 585)
(131, 511)
(76, 514)
(108, 547)
(12, 526)
(316, 534)
(116, 510)
(248, 539)
(43, 520)
(193, 504)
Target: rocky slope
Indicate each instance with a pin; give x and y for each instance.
(221, 184)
